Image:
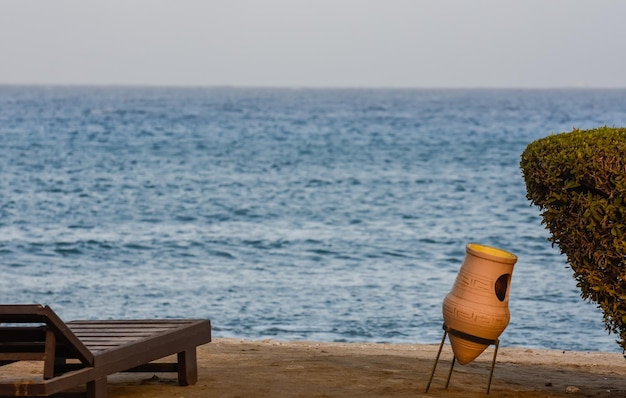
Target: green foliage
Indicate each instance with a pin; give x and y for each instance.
(578, 180)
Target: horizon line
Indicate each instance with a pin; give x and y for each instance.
(303, 87)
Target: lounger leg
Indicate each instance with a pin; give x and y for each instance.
(97, 388)
(49, 362)
(187, 367)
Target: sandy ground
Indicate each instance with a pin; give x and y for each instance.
(241, 368)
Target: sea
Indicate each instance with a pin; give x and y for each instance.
(335, 215)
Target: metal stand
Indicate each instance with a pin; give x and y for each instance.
(447, 330)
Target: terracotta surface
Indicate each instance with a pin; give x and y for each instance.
(478, 303)
(261, 369)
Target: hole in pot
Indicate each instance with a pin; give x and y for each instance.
(502, 285)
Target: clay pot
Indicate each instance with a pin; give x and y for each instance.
(476, 311)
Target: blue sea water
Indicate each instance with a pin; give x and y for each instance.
(320, 214)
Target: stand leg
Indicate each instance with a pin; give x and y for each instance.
(445, 333)
(450, 372)
(493, 364)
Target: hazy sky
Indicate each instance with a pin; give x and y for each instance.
(321, 43)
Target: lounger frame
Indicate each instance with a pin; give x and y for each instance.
(86, 352)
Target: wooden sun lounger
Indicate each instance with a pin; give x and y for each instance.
(86, 352)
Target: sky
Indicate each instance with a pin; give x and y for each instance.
(315, 43)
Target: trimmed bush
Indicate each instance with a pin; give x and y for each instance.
(578, 180)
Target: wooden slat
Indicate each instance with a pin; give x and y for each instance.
(135, 321)
(113, 339)
(112, 329)
(22, 347)
(18, 333)
(99, 348)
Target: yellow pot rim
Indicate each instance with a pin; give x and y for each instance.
(491, 252)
